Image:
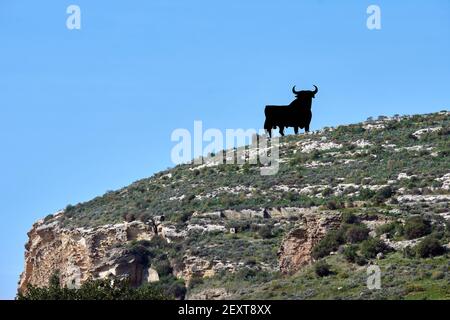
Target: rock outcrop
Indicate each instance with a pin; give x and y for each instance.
(296, 248)
(210, 294)
(79, 254)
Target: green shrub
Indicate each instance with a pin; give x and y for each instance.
(366, 194)
(251, 261)
(416, 227)
(246, 274)
(176, 289)
(195, 281)
(69, 211)
(383, 194)
(447, 228)
(265, 232)
(371, 247)
(239, 225)
(105, 289)
(390, 229)
(140, 253)
(331, 242)
(327, 192)
(429, 247)
(163, 267)
(322, 269)
(181, 217)
(349, 218)
(409, 252)
(356, 233)
(350, 253)
(333, 205)
(360, 261)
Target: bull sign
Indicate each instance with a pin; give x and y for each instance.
(297, 115)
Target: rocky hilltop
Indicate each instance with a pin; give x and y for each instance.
(375, 192)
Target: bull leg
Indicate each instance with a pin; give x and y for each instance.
(296, 130)
(308, 122)
(269, 132)
(268, 128)
(282, 131)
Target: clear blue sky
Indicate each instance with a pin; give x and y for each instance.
(83, 112)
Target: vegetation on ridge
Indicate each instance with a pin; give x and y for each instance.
(382, 156)
(389, 179)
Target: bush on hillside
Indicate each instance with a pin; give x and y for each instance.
(322, 269)
(350, 253)
(416, 227)
(163, 267)
(265, 232)
(349, 218)
(356, 233)
(383, 194)
(429, 247)
(106, 289)
(331, 242)
(371, 247)
(391, 229)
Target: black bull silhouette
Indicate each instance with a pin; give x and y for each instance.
(297, 115)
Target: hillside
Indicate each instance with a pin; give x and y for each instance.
(376, 192)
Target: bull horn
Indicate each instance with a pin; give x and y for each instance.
(293, 90)
(316, 90)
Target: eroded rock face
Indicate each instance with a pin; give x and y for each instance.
(210, 294)
(194, 266)
(79, 254)
(296, 248)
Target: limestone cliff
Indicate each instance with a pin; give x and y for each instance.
(79, 253)
(295, 250)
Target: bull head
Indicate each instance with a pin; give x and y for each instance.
(313, 93)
